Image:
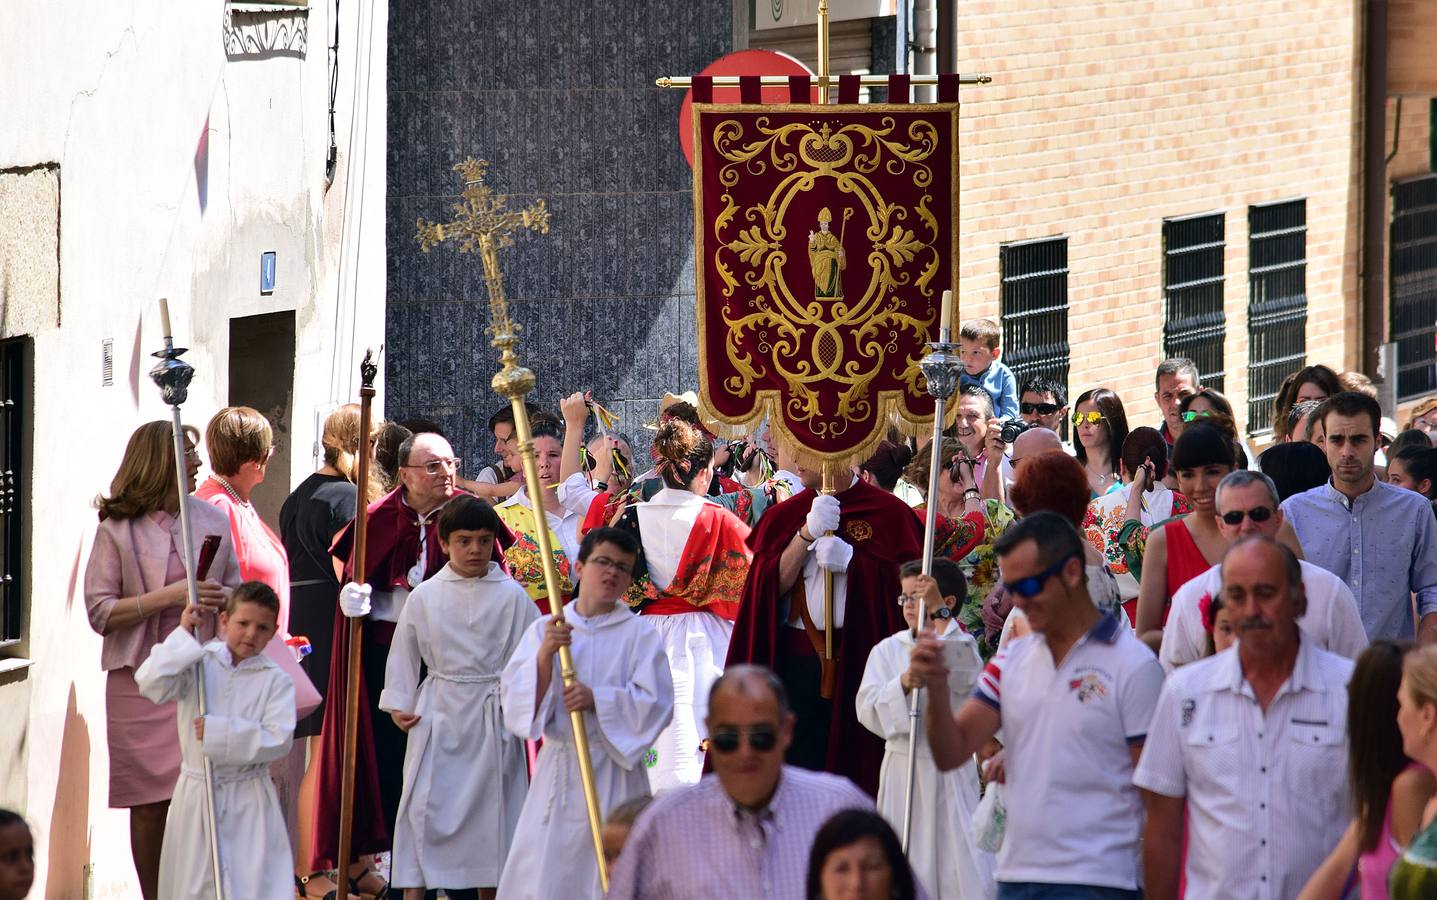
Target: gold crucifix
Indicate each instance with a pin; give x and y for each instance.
(483, 222)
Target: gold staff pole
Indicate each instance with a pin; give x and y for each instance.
(484, 225)
(823, 58)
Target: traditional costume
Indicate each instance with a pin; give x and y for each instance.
(464, 775)
(620, 658)
(1122, 540)
(249, 723)
(523, 557)
(941, 848)
(784, 631)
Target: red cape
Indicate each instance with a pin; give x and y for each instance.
(884, 534)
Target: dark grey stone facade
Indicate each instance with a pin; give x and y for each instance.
(559, 97)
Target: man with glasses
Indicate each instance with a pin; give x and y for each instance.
(745, 830)
(1073, 699)
(1247, 505)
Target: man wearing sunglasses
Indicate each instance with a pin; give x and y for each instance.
(1074, 699)
(745, 830)
(1043, 401)
(1247, 505)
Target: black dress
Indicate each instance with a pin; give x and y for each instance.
(308, 522)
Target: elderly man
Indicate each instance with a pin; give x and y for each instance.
(998, 480)
(1074, 699)
(1253, 743)
(1247, 505)
(402, 550)
(746, 829)
(1379, 538)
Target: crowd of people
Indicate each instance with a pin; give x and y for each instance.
(1150, 663)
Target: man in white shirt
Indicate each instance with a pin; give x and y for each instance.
(1074, 699)
(1248, 748)
(1247, 505)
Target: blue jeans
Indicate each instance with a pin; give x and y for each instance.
(1036, 890)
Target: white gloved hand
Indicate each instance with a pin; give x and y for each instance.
(822, 516)
(354, 600)
(833, 553)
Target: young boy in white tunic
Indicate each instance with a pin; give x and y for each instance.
(248, 723)
(941, 847)
(625, 692)
(464, 775)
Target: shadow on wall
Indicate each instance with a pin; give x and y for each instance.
(70, 818)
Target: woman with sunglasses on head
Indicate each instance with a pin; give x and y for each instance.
(1099, 428)
(941, 848)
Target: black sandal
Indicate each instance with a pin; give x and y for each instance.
(381, 894)
(301, 885)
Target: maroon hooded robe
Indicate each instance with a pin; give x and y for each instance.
(885, 535)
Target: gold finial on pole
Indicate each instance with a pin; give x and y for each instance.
(822, 51)
(484, 223)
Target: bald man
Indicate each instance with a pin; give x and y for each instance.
(998, 479)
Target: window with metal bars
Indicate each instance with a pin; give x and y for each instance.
(1276, 303)
(13, 422)
(1413, 289)
(1034, 308)
(1196, 324)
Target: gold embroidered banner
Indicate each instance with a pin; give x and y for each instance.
(824, 238)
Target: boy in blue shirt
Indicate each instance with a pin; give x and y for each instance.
(978, 346)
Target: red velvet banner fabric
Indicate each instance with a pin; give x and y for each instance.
(824, 238)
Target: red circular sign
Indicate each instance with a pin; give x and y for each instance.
(744, 62)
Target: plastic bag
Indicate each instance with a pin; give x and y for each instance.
(990, 819)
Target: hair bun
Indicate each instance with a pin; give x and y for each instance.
(675, 440)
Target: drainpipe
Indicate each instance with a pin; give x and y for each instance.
(1374, 186)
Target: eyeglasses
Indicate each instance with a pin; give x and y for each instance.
(604, 562)
(1030, 586)
(762, 738)
(1257, 514)
(1092, 417)
(438, 466)
(1042, 409)
(941, 612)
(1196, 414)
(1428, 425)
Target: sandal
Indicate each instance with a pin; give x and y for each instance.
(301, 886)
(381, 894)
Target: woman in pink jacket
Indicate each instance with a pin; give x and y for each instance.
(134, 593)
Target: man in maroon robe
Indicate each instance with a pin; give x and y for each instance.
(402, 550)
(780, 620)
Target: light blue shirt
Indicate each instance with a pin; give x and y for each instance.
(1000, 384)
(1383, 544)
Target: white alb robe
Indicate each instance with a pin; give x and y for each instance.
(696, 643)
(620, 658)
(941, 848)
(249, 723)
(464, 774)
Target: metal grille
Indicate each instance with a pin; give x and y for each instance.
(1034, 303)
(1414, 285)
(1196, 325)
(1276, 303)
(12, 502)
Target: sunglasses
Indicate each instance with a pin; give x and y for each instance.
(1257, 514)
(762, 739)
(1030, 586)
(1092, 417)
(1042, 409)
(1192, 414)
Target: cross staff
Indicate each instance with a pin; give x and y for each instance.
(483, 223)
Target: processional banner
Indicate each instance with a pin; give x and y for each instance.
(824, 236)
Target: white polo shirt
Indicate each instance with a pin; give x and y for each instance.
(1267, 795)
(1074, 816)
(1331, 620)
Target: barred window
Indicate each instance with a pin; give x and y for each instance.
(1414, 285)
(1034, 307)
(1196, 325)
(13, 423)
(1276, 303)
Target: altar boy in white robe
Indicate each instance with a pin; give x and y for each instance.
(464, 774)
(248, 724)
(941, 846)
(625, 691)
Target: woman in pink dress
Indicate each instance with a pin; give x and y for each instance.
(134, 592)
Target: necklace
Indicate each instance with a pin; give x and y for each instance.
(229, 490)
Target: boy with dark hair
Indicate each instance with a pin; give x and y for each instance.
(978, 346)
(626, 694)
(941, 848)
(464, 777)
(248, 724)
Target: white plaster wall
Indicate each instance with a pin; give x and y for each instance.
(117, 94)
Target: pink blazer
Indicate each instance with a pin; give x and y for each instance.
(128, 560)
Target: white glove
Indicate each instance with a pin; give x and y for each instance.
(354, 600)
(822, 515)
(833, 553)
